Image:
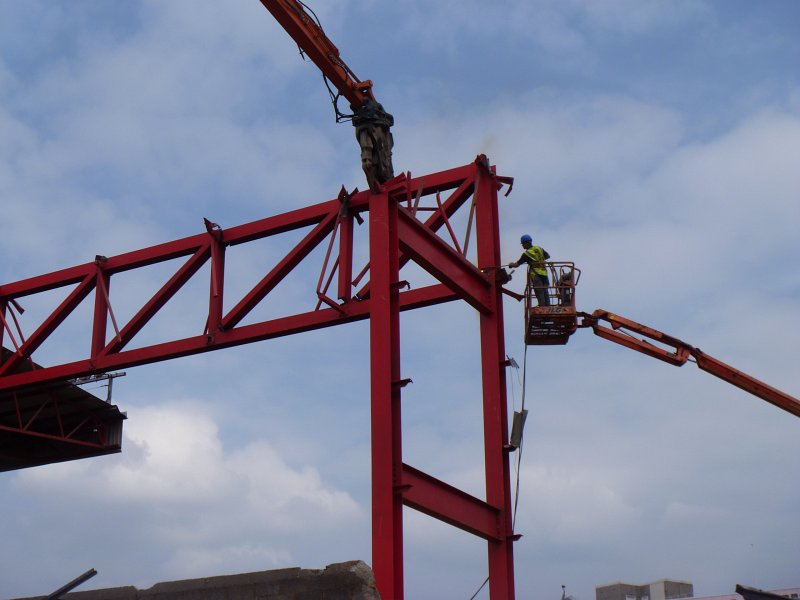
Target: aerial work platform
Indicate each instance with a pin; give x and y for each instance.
(554, 323)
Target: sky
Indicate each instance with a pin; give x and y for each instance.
(653, 143)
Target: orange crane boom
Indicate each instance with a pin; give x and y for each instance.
(679, 352)
(373, 124)
(557, 320)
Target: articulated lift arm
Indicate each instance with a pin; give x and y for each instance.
(371, 121)
(622, 331)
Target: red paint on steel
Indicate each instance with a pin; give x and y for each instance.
(281, 270)
(244, 334)
(462, 193)
(441, 501)
(157, 302)
(387, 507)
(431, 252)
(217, 284)
(345, 257)
(101, 308)
(493, 365)
(395, 237)
(5, 326)
(45, 329)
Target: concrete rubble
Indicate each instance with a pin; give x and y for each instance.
(352, 580)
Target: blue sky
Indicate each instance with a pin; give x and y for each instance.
(653, 143)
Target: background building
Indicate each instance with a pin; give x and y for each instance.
(667, 589)
(786, 593)
(663, 589)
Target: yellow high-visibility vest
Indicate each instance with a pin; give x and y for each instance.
(536, 254)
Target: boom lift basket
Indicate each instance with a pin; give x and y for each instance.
(553, 323)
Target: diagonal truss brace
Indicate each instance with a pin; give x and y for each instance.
(397, 236)
(448, 266)
(459, 280)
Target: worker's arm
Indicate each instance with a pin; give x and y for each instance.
(522, 259)
(526, 259)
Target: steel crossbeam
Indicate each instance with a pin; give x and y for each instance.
(396, 236)
(446, 503)
(435, 256)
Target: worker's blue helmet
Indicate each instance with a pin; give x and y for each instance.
(526, 238)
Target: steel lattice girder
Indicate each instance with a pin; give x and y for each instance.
(461, 279)
(396, 236)
(55, 423)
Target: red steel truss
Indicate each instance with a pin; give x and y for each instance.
(397, 235)
(39, 426)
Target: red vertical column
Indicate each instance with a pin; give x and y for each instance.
(100, 320)
(345, 257)
(2, 327)
(495, 414)
(387, 505)
(217, 285)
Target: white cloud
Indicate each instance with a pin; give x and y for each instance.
(174, 456)
(199, 560)
(203, 506)
(575, 505)
(132, 134)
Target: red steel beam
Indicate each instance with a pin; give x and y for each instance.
(199, 248)
(289, 221)
(65, 439)
(441, 501)
(493, 379)
(448, 266)
(395, 237)
(51, 323)
(3, 325)
(244, 334)
(279, 272)
(384, 342)
(464, 189)
(101, 308)
(344, 292)
(161, 297)
(217, 283)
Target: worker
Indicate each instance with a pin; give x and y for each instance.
(565, 287)
(535, 256)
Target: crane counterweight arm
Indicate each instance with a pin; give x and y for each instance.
(373, 124)
(676, 352)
